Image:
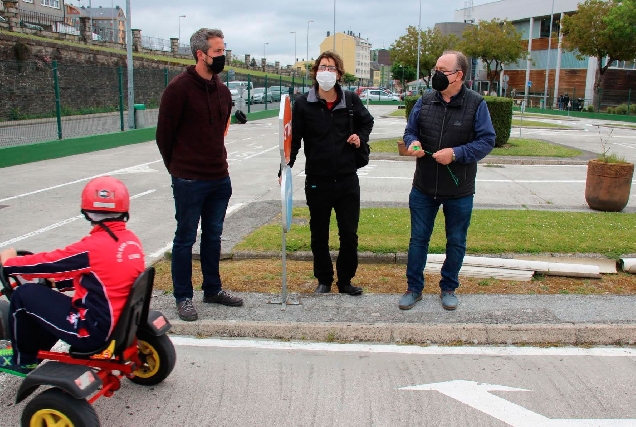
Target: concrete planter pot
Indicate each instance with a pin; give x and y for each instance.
(608, 185)
(402, 148)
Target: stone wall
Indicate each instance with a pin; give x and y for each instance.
(88, 78)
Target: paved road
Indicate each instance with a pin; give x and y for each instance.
(248, 383)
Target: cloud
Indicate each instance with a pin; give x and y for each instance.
(249, 24)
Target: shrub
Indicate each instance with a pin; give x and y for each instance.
(589, 108)
(621, 109)
(409, 103)
(501, 115)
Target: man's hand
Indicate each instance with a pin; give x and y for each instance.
(6, 254)
(354, 140)
(444, 156)
(415, 149)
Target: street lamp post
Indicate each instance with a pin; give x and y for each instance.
(295, 57)
(307, 57)
(334, 26)
(180, 16)
(419, 38)
(547, 67)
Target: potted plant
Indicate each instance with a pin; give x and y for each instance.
(609, 180)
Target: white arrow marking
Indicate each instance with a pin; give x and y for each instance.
(477, 395)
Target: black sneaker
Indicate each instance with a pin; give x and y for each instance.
(187, 311)
(223, 298)
(349, 289)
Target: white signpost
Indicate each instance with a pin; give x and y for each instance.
(286, 191)
(478, 396)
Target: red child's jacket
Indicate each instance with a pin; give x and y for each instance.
(101, 269)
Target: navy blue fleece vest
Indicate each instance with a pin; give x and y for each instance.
(440, 126)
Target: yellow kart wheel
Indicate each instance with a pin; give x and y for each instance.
(158, 358)
(56, 408)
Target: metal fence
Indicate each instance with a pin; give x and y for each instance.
(40, 19)
(153, 43)
(44, 101)
(606, 101)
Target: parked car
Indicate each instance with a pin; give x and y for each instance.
(258, 96)
(378, 95)
(276, 92)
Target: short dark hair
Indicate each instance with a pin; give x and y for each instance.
(199, 40)
(461, 62)
(331, 55)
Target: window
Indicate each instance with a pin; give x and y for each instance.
(28, 1)
(50, 3)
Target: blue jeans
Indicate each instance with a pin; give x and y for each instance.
(457, 214)
(193, 200)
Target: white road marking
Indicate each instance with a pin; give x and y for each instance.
(57, 224)
(118, 171)
(478, 396)
(404, 349)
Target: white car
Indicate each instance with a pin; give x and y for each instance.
(258, 96)
(378, 95)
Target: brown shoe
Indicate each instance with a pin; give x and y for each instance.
(223, 298)
(186, 310)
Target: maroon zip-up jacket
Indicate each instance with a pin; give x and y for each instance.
(193, 117)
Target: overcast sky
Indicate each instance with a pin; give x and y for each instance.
(248, 24)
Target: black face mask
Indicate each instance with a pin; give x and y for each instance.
(217, 65)
(439, 81)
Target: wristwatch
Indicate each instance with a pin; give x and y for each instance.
(453, 158)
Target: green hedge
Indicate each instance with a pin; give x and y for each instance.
(409, 103)
(501, 115)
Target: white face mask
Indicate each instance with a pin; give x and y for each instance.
(326, 80)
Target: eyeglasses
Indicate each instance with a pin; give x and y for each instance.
(327, 68)
(447, 73)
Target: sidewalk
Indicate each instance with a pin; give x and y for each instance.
(479, 319)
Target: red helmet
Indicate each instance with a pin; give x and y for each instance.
(105, 194)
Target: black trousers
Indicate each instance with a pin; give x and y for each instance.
(342, 194)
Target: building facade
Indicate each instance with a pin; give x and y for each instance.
(355, 52)
(565, 73)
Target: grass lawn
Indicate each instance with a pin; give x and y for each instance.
(387, 230)
(533, 147)
(536, 123)
(514, 147)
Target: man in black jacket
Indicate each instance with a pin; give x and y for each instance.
(321, 118)
(449, 130)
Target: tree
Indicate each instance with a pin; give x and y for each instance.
(432, 44)
(495, 42)
(403, 73)
(605, 30)
(349, 78)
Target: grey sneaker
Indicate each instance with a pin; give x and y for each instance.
(186, 310)
(449, 300)
(409, 299)
(223, 298)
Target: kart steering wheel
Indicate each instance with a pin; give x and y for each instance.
(5, 279)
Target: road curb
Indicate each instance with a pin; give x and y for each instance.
(406, 333)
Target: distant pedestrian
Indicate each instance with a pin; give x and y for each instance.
(560, 102)
(333, 125)
(194, 117)
(566, 101)
(448, 130)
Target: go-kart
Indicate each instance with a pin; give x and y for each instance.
(138, 349)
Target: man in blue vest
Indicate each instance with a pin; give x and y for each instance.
(449, 130)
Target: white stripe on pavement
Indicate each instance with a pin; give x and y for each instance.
(57, 224)
(403, 349)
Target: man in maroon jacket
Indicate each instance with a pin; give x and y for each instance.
(194, 117)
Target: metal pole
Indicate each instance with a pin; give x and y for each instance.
(547, 66)
(307, 57)
(528, 63)
(295, 57)
(180, 16)
(131, 66)
(90, 18)
(120, 75)
(419, 38)
(58, 108)
(334, 26)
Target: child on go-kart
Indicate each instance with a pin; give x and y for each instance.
(101, 268)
